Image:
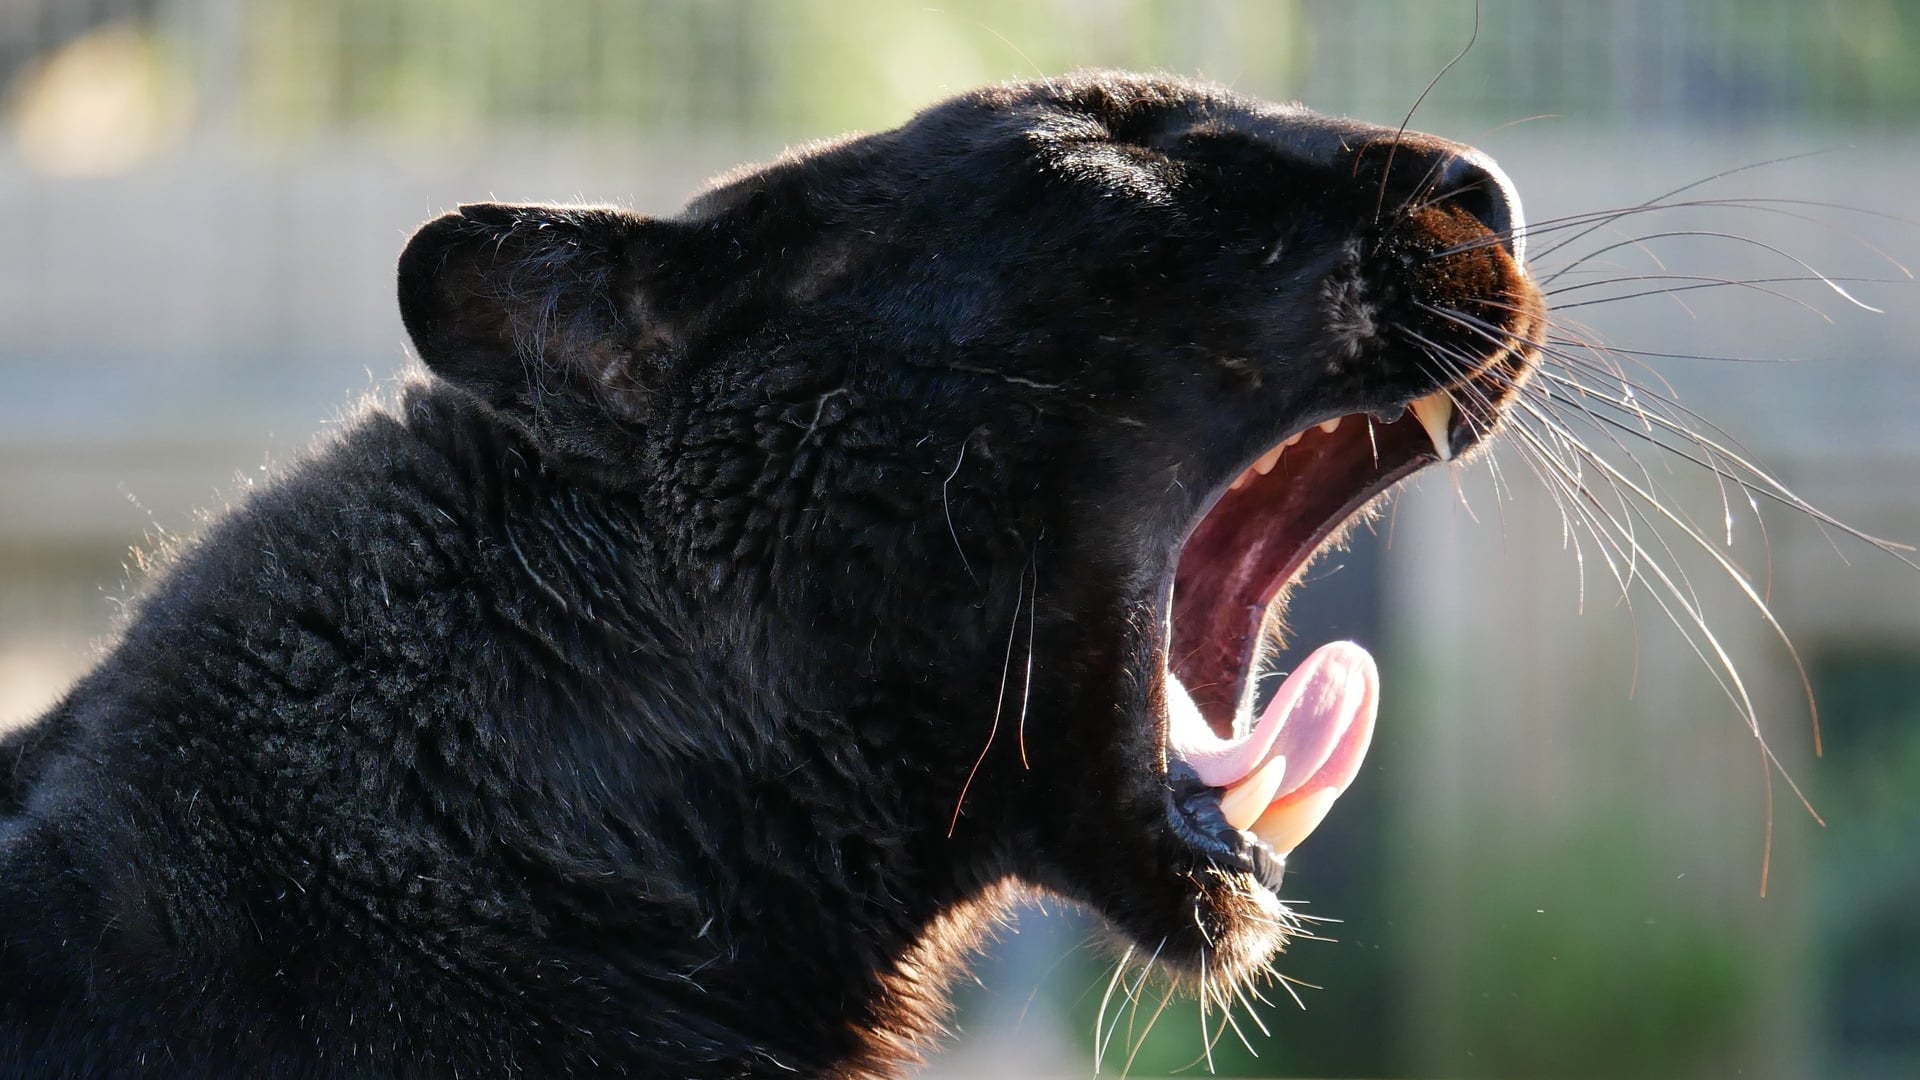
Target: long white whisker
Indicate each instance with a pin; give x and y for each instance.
(1013, 627)
(1715, 234)
(1099, 1018)
(1151, 1020)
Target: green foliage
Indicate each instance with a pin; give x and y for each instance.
(1870, 793)
(1593, 974)
(820, 66)
(454, 68)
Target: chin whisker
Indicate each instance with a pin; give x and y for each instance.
(1288, 983)
(1240, 989)
(1099, 1018)
(1134, 1051)
(1206, 1044)
(1131, 1006)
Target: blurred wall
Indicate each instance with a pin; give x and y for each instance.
(1554, 865)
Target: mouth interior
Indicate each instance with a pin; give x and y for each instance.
(1282, 770)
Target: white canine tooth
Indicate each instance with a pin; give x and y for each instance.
(1285, 825)
(1293, 438)
(1241, 480)
(1249, 798)
(1332, 425)
(1268, 460)
(1435, 413)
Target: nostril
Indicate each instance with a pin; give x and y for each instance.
(1474, 183)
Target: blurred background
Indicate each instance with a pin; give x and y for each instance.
(1554, 863)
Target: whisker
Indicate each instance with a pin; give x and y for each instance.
(1013, 628)
(1685, 356)
(1704, 181)
(1647, 497)
(1695, 282)
(1099, 1018)
(1288, 982)
(1253, 1014)
(1707, 281)
(1393, 147)
(1132, 1004)
(1226, 1015)
(1206, 1044)
(1713, 234)
(1026, 680)
(1757, 204)
(1732, 675)
(1152, 1020)
(1755, 481)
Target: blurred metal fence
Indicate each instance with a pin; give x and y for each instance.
(443, 70)
(206, 182)
(201, 199)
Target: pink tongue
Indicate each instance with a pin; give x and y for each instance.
(1302, 753)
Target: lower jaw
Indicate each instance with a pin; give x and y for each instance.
(1194, 813)
(1275, 777)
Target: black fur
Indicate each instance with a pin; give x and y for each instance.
(610, 703)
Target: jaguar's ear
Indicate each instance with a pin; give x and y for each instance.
(549, 314)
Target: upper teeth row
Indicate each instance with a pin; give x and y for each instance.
(1434, 412)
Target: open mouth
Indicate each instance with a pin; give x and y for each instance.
(1277, 774)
